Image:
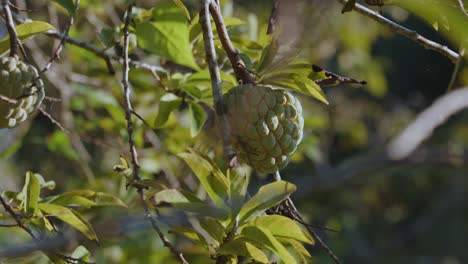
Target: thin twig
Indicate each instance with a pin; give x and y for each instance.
(8, 99)
(131, 141)
(462, 7)
(216, 82)
(10, 25)
(456, 70)
(240, 70)
(410, 34)
(8, 225)
(53, 120)
(102, 53)
(17, 219)
(127, 92)
(295, 214)
(61, 44)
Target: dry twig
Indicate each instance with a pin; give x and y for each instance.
(410, 34)
(133, 151)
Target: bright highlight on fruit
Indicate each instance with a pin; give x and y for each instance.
(266, 125)
(18, 81)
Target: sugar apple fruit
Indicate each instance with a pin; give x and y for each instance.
(18, 81)
(266, 125)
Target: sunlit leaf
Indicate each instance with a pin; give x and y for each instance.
(81, 253)
(266, 239)
(25, 31)
(69, 5)
(168, 35)
(70, 217)
(184, 9)
(268, 196)
(191, 234)
(243, 247)
(168, 103)
(198, 117)
(187, 202)
(281, 226)
(214, 228)
(31, 192)
(209, 175)
(87, 198)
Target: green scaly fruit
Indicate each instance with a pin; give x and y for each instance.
(18, 81)
(266, 125)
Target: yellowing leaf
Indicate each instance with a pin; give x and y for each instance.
(269, 195)
(266, 239)
(31, 191)
(25, 31)
(209, 175)
(243, 247)
(70, 217)
(168, 35)
(281, 226)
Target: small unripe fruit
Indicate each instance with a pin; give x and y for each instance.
(19, 82)
(266, 125)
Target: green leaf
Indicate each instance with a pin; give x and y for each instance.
(81, 253)
(184, 9)
(168, 36)
(300, 84)
(214, 228)
(191, 234)
(59, 143)
(31, 192)
(203, 78)
(87, 198)
(210, 176)
(188, 202)
(296, 249)
(281, 226)
(266, 239)
(172, 196)
(168, 103)
(198, 117)
(70, 217)
(238, 179)
(244, 247)
(25, 31)
(69, 5)
(195, 28)
(269, 195)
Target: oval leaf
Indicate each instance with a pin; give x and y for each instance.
(25, 31)
(70, 217)
(265, 238)
(210, 176)
(242, 246)
(281, 226)
(168, 103)
(198, 117)
(269, 195)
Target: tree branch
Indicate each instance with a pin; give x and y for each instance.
(10, 25)
(293, 213)
(59, 48)
(18, 221)
(410, 34)
(216, 82)
(128, 117)
(241, 72)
